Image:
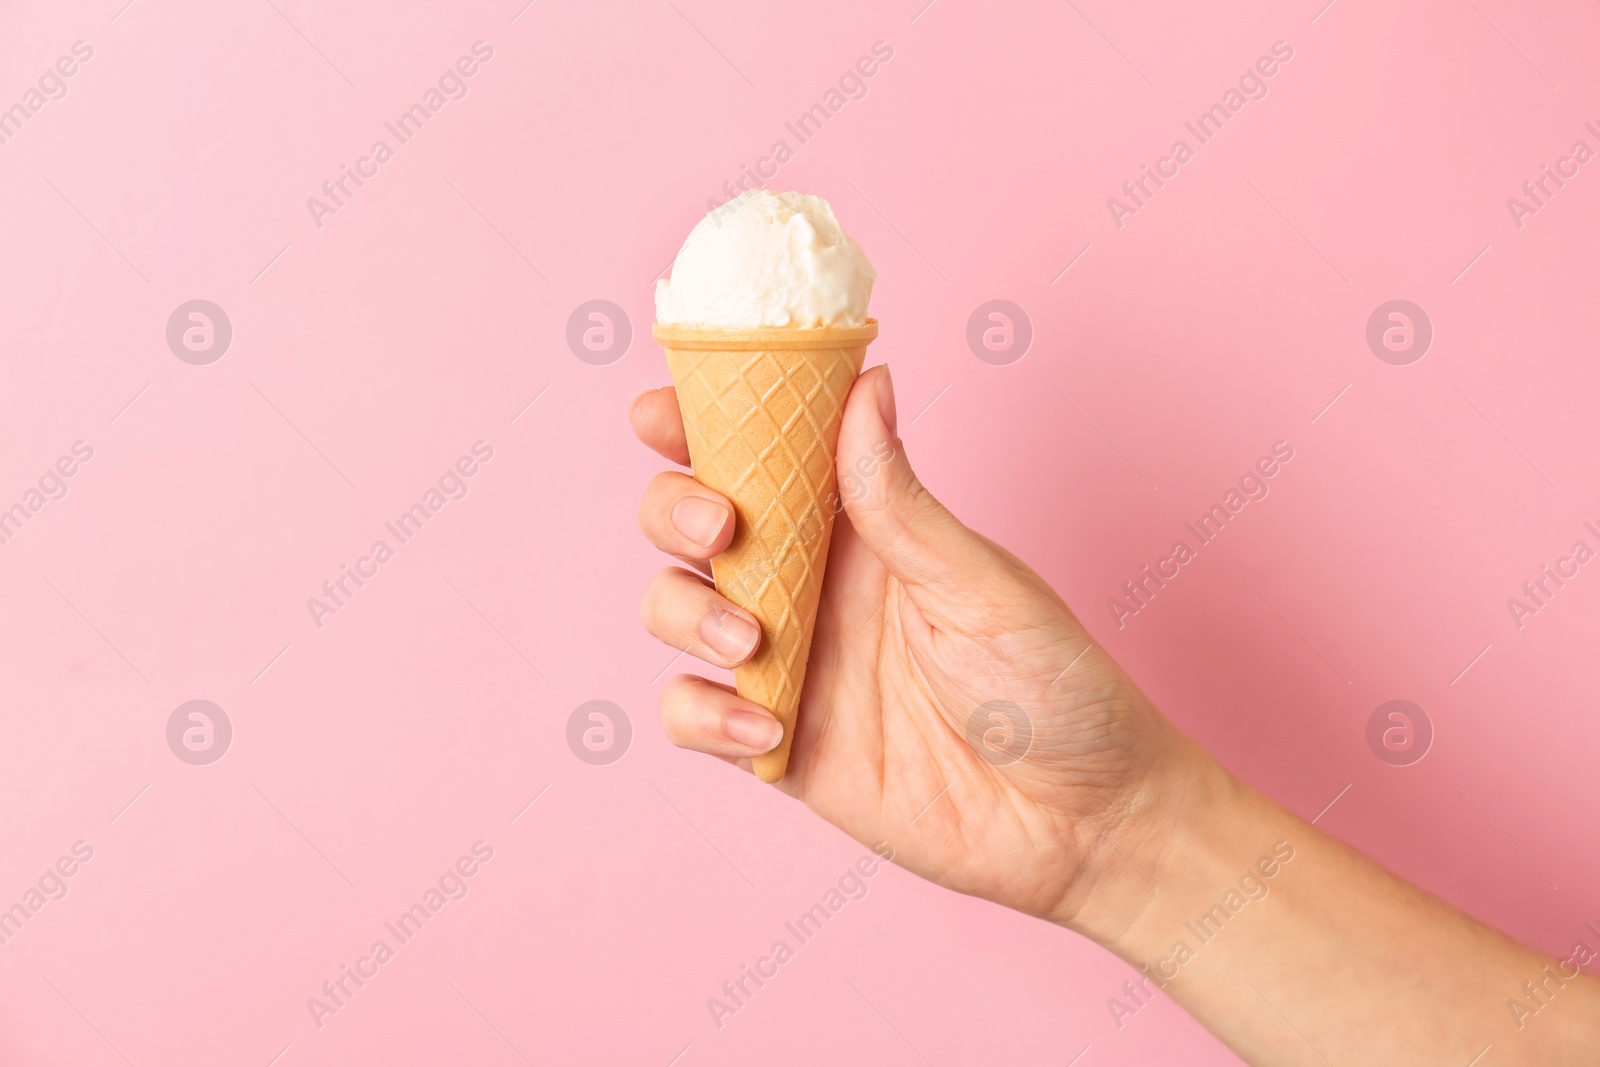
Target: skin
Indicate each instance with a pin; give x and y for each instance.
(1112, 823)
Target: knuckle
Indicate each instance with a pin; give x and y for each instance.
(656, 494)
(674, 693)
(637, 412)
(662, 484)
(652, 610)
(676, 704)
(670, 721)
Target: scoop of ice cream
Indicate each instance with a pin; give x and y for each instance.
(767, 259)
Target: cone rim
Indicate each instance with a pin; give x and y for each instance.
(679, 336)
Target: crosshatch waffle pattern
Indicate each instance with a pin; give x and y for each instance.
(762, 425)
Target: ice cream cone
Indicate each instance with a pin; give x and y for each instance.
(761, 408)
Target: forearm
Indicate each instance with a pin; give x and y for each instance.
(1281, 940)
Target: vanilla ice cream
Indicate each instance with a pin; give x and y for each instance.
(767, 259)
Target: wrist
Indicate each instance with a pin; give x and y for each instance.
(1190, 829)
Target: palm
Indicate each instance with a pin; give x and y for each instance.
(921, 624)
(883, 748)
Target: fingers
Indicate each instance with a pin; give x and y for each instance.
(702, 716)
(683, 517)
(657, 422)
(683, 611)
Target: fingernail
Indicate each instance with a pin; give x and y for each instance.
(886, 398)
(754, 729)
(699, 519)
(730, 636)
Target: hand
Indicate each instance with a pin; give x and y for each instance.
(922, 622)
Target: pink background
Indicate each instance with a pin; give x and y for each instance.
(369, 353)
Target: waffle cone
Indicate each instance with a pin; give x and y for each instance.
(761, 408)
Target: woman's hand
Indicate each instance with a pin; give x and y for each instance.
(953, 706)
(1074, 800)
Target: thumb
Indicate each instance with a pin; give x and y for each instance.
(920, 542)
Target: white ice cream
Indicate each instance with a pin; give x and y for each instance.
(767, 259)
